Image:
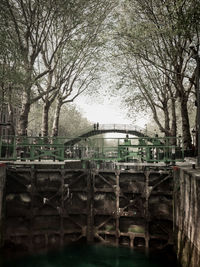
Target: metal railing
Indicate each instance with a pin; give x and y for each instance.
(142, 149)
(123, 127)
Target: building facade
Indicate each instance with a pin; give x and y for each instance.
(8, 123)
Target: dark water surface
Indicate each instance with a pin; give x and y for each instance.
(92, 256)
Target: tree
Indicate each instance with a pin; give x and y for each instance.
(76, 78)
(152, 87)
(10, 80)
(28, 24)
(10, 72)
(72, 122)
(41, 30)
(78, 61)
(160, 33)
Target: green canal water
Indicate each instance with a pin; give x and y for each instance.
(92, 256)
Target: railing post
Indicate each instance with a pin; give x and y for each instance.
(62, 152)
(32, 150)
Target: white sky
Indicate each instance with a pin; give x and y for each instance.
(107, 112)
(104, 108)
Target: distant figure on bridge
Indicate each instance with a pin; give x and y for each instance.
(97, 126)
(127, 141)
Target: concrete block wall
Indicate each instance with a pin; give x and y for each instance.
(187, 215)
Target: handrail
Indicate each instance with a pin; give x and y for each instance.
(108, 128)
(116, 126)
(37, 148)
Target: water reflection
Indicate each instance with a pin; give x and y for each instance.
(90, 256)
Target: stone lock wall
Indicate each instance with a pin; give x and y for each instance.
(2, 182)
(187, 215)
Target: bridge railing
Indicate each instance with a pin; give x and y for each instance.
(125, 127)
(114, 126)
(103, 149)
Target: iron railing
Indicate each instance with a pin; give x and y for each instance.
(123, 127)
(142, 149)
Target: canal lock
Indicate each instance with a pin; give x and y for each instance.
(49, 206)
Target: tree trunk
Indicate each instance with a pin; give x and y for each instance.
(56, 119)
(11, 119)
(174, 123)
(167, 120)
(187, 141)
(23, 118)
(10, 112)
(45, 119)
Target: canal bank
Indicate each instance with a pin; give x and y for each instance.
(2, 184)
(187, 215)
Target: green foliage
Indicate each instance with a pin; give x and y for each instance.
(154, 38)
(47, 39)
(72, 123)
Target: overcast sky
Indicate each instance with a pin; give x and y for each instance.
(106, 112)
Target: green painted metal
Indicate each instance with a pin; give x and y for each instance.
(142, 149)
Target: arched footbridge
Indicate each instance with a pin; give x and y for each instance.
(98, 129)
